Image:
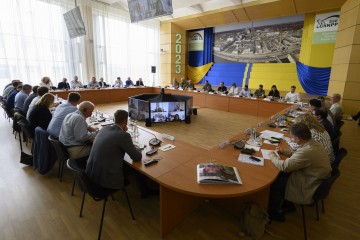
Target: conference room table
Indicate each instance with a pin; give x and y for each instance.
(254, 107)
(176, 172)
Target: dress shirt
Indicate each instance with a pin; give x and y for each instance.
(118, 84)
(77, 84)
(28, 101)
(293, 97)
(233, 91)
(93, 85)
(129, 83)
(74, 130)
(20, 99)
(31, 106)
(58, 116)
(245, 93)
(338, 111)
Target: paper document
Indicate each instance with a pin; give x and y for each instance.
(167, 147)
(247, 159)
(266, 153)
(267, 134)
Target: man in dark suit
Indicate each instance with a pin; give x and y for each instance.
(105, 165)
(139, 82)
(64, 84)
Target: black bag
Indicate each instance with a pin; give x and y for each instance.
(26, 159)
(253, 221)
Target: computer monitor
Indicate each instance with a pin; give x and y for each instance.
(167, 111)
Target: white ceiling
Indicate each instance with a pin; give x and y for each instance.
(184, 8)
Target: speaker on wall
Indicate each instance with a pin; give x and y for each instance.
(153, 69)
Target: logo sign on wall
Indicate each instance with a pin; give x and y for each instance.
(325, 28)
(196, 40)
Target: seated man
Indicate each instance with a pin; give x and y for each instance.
(129, 82)
(102, 84)
(315, 104)
(41, 91)
(63, 84)
(76, 83)
(21, 97)
(93, 83)
(321, 115)
(118, 83)
(60, 113)
(182, 84)
(175, 84)
(260, 91)
(189, 85)
(139, 82)
(301, 173)
(292, 96)
(336, 107)
(207, 87)
(106, 165)
(10, 100)
(8, 88)
(46, 82)
(233, 90)
(222, 88)
(75, 132)
(245, 92)
(28, 100)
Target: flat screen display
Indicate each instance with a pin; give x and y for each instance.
(138, 109)
(167, 111)
(74, 23)
(145, 9)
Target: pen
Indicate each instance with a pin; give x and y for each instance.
(167, 147)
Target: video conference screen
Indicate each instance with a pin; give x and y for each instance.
(167, 111)
(138, 109)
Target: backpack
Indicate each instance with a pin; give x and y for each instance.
(253, 221)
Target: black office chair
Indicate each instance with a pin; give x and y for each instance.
(97, 192)
(339, 156)
(62, 155)
(25, 128)
(320, 194)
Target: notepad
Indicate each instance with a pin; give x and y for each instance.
(246, 159)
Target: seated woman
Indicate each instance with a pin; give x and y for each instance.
(274, 93)
(41, 115)
(318, 133)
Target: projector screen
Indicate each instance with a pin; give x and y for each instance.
(74, 23)
(145, 9)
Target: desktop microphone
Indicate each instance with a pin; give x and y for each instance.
(154, 141)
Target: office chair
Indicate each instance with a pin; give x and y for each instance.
(97, 192)
(25, 128)
(62, 155)
(339, 156)
(320, 194)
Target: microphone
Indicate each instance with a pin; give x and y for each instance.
(154, 141)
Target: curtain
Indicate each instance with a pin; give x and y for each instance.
(34, 43)
(200, 58)
(313, 80)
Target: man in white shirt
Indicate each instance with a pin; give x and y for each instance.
(245, 92)
(293, 96)
(61, 112)
(76, 83)
(75, 132)
(336, 107)
(233, 90)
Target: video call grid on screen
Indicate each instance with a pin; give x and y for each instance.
(167, 111)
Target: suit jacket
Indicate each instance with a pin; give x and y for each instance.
(309, 165)
(138, 83)
(105, 163)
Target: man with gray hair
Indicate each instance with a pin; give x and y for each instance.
(336, 107)
(75, 133)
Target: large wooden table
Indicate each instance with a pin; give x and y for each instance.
(254, 107)
(180, 193)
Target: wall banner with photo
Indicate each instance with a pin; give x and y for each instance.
(266, 41)
(196, 40)
(325, 28)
